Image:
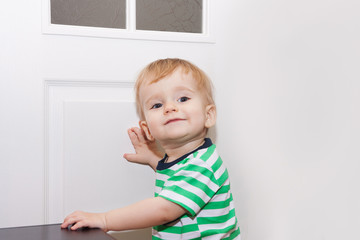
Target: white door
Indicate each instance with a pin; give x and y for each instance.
(67, 101)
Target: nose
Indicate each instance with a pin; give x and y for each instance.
(170, 107)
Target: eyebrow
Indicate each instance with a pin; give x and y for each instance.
(152, 97)
(181, 88)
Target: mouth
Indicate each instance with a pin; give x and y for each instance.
(174, 120)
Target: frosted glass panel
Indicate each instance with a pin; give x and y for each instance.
(92, 13)
(169, 15)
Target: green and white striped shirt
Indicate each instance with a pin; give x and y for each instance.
(198, 182)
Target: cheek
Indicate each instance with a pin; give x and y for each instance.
(152, 122)
(197, 110)
(198, 117)
(151, 126)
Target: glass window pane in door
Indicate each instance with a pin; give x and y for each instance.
(169, 15)
(92, 13)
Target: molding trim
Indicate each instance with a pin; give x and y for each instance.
(48, 86)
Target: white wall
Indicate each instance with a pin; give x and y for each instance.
(21, 109)
(289, 92)
(287, 88)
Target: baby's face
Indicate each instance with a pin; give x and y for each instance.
(174, 108)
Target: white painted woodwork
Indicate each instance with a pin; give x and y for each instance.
(86, 133)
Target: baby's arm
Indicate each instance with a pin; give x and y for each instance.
(147, 151)
(147, 213)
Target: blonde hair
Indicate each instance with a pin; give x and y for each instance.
(161, 68)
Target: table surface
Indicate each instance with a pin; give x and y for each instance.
(51, 232)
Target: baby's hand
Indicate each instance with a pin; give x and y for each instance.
(147, 151)
(81, 219)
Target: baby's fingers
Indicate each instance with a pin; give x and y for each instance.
(140, 134)
(133, 137)
(79, 225)
(72, 219)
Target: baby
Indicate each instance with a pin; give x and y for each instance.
(192, 193)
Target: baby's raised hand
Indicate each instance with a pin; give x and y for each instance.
(146, 152)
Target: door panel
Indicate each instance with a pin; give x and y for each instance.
(87, 137)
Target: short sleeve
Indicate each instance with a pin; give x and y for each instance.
(191, 187)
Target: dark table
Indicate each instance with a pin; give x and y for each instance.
(51, 232)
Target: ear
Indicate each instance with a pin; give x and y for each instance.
(143, 125)
(210, 115)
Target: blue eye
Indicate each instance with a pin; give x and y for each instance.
(183, 99)
(156, 105)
